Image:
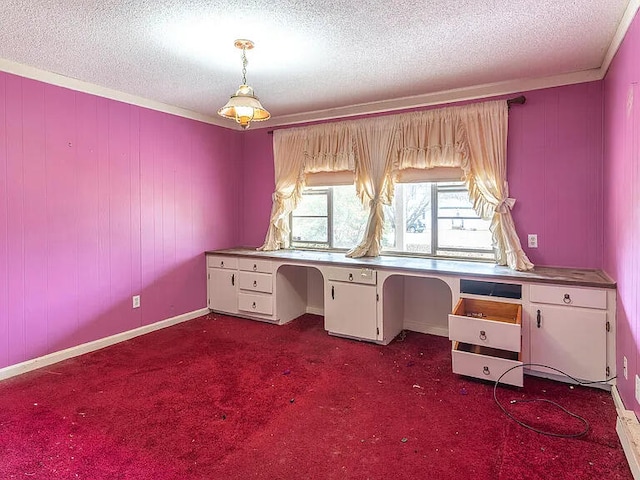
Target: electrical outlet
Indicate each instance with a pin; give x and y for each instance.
(532, 240)
(624, 368)
(637, 389)
(136, 301)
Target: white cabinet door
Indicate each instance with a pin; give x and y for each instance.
(222, 290)
(350, 310)
(573, 340)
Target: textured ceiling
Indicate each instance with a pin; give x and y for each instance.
(310, 55)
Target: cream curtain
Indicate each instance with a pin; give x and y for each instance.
(288, 154)
(472, 138)
(376, 153)
(434, 138)
(329, 147)
(486, 127)
(298, 152)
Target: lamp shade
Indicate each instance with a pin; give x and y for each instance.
(244, 107)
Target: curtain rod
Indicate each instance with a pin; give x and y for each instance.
(521, 100)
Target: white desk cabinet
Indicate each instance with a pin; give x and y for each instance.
(222, 284)
(569, 329)
(255, 287)
(487, 342)
(565, 317)
(350, 307)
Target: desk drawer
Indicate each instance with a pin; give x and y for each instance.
(219, 261)
(252, 265)
(569, 296)
(257, 282)
(254, 303)
(352, 275)
(486, 363)
(487, 323)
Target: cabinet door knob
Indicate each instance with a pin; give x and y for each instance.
(538, 319)
(253, 305)
(255, 283)
(567, 298)
(486, 371)
(351, 277)
(483, 335)
(255, 267)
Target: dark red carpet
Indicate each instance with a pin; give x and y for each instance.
(226, 398)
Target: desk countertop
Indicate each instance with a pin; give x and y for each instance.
(555, 275)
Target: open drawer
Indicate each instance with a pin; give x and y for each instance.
(486, 363)
(487, 323)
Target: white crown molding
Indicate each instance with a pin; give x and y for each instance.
(424, 100)
(93, 89)
(621, 32)
(55, 357)
(442, 97)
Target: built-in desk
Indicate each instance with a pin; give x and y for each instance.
(567, 315)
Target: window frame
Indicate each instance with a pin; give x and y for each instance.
(435, 247)
(434, 222)
(328, 192)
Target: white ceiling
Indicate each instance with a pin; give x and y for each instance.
(313, 59)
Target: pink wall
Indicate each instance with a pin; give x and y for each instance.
(99, 201)
(555, 171)
(259, 183)
(622, 201)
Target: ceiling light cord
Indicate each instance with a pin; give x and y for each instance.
(582, 420)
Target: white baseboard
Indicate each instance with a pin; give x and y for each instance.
(315, 310)
(55, 357)
(422, 328)
(628, 429)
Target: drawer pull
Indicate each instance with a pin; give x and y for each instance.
(351, 277)
(486, 371)
(255, 283)
(253, 305)
(538, 319)
(483, 335)
(255, 267)
(221, 264)
(567, 298)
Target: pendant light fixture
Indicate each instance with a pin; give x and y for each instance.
(244, 107)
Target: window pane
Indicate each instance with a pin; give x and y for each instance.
(313, 204)
(408, 220)
(455, 212)
(417, 218)
(467, 233)
(349, 217)
(389, 237)
(309, 229)
(453, 199)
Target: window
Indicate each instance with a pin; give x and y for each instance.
(328, 217)
(428, 218)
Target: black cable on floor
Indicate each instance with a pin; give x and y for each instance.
(543, 432)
